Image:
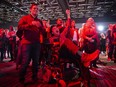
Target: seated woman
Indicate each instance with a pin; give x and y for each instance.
(91, 41)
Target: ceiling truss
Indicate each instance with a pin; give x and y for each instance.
(12, 10)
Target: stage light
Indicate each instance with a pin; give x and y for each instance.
(100, 28)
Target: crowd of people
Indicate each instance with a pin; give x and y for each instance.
(38, 41)
(8, 44)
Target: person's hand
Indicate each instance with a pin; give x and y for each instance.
(33, 22)
(10, 38)
(89, 39)
(68, 13)
(36, 23)
(48, 25)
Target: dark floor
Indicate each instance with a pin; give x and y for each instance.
(103, 76)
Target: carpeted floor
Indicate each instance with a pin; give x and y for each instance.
(103, 76)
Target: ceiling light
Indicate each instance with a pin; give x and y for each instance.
(100, 28)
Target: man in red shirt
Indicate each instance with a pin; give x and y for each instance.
(31, 28)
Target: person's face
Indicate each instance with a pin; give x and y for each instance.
(44, 22)
(11, 28)
(55, 31)
(90, 22)
(1, 32)
(59, 21)
(6, 30)
(73, 23)
(102, 34)
(114, 34)
(34, 10)
(110, 26)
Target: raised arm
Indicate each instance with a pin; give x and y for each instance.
(68, 22)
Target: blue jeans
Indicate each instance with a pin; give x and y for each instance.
(28, 52)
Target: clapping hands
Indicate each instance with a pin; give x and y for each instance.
(36, 23)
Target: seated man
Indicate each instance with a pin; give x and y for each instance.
(70, 49)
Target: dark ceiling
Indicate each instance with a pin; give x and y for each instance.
(100, 10)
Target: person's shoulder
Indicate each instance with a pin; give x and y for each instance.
(76, 29)
(25, 16)
(39, 19)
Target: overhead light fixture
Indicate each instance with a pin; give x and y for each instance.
(100, 28)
